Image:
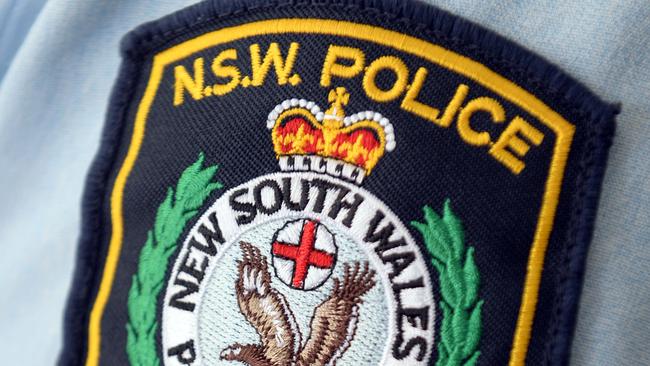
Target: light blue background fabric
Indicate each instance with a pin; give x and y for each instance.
(59, 59)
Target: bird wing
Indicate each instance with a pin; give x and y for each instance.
(334, 322)
(266, 309)
(332, 330)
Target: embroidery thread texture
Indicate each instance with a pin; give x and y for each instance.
(459, 277)
(180, 206)
(332, 326)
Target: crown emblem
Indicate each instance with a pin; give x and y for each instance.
(307, 139)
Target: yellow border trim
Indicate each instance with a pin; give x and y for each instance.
(428, 51)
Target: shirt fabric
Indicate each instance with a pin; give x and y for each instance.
(59, 60)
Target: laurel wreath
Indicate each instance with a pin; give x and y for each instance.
(180, 205)
(443, 237)
(460, 331)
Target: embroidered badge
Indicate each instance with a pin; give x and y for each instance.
(318, 184)
(306, 254)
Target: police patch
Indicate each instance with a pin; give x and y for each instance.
(335, 183)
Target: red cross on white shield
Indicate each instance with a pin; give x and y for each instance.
(304, 254)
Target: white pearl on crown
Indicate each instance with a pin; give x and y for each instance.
(313, 108)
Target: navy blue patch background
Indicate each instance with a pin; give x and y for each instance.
(499, 210)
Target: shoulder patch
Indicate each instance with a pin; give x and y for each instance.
(319, 183)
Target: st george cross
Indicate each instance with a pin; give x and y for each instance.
(304, 254)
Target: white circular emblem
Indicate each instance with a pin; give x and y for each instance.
(304, 254)
(298, 269)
